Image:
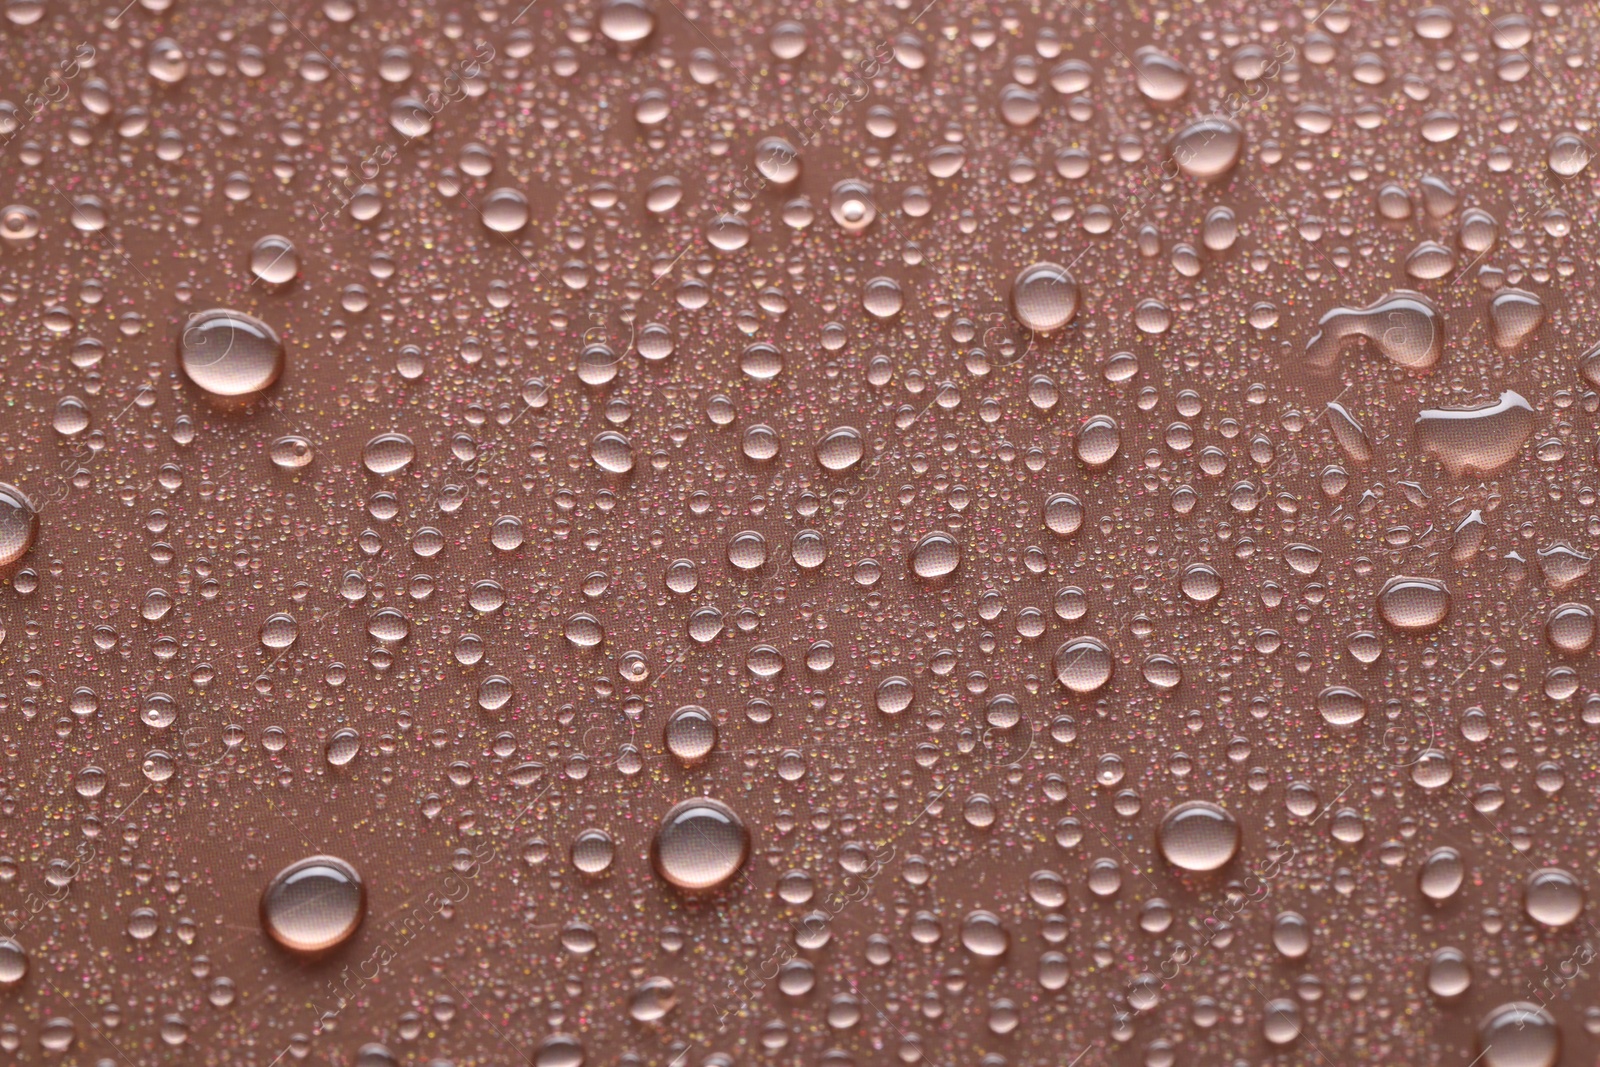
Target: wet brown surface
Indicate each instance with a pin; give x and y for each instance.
(1112, 693)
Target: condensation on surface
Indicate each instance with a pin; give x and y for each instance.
(693, 534)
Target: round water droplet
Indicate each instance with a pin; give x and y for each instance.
(388, 453)
(747, 550)
(936, 556)
(230, 355)
(1063, 514)
(882, 297)
(1441, 874)
(1569, 155)
(291, 453)
(691, 734)
(1413, 605)
(1198, 836)
(1341, 706)
(279, 631)
(983, 935)
(1449, 973)
(1571, 629)
(19, 525)
(274, 261)
(1519, 1034)
(1280, 1025)
(1083, 664)
(1099, 441)
(895, 694)
(18, 222)
(626, 21)
(1201, 583)
(559, 1050)
(840, 449)
(1160, 77)
(13, 962)
(1553, 897)
(505, 210)
(314, 904)
(700, 845)
(1208, 150)
(1044, 297)
(851, 205)
(343, 746)
(611, 452)
(778, 161)
(592, 851)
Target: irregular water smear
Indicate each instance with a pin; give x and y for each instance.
(1405, 326)
(1478, 440)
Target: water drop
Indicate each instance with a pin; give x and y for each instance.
(1083, 664)
(314, 904)
(1044, 297)
(1198, 836)
(19, 525)
(1413, 605)
(230, 355)
(388, 453)
(700, 845)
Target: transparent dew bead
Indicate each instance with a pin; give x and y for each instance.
(1449, 973)
(1570, 629)
(1209, 149)
(894, 695)
(1099, 441)
(1340, 705)
(274, 261)
(1044, 297)
(279, 631)
(1063, 514)
(840, 449)
(388, 453)
(19, 525)
(778, 161)
(1441, 874)
(1280, 1023)
(1200, 583)
(1413, 605)
(700, 846)
(747, 551)
(1291, 935)
(343, 746)
(936, 556)
(691, 735)
(166, 61)
(1553, 897)
(314, 904)
(13, 962)
(882, 297)
(18, 222)
(229, 355)
(1519, 1034)
(1083, 665)
(559, 1050)
(626, 22)
(291, 453)
(1568, 155)
(851, 205)
(983, 935)
(1159, 76)
(505, 211)
(1198, 835)
(592, 851)
(611, 452)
